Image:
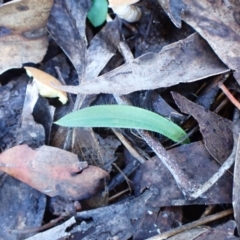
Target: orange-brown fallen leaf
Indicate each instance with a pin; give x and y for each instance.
(44, 83)
(53, 171)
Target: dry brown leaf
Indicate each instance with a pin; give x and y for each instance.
(23, 37)
(173, 10)
(224, 231)
(53, 171)
(216, 130)
(66, 25)
(29, 131)
(197, 164)
(219, 25)
(188, 60)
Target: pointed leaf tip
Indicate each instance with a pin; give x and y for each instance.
(118, 116)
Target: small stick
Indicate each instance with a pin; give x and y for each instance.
(196, 128)
(125, 177)
(221, 171)
(186, 185)
(128, 146)
(193, 224)
(229, 95)
(128, 170)
(225, 166)
(39, 229)
(118, 194)
(208, 210)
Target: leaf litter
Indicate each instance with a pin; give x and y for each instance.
(160, 186)
(23, 33)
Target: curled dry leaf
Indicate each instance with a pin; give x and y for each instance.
(53, 171)
(44, 81)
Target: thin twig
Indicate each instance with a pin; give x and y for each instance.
(125, 177)
(195, 129)
(221, 171)
(209, 209)
(128, 170)
(229, 95)
(119, 194)
(39, 229)
(128, 146)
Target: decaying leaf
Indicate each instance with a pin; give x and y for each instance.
(173, 8)
(114, 220)
(23, 36)
(219, 25)
(162, 220)
(53, 171)
(198, 166)
(11, 107)
(94, 149)
(188, 60)
(29, 132)
(60, 231)
(66, 32)
(102, 48)
(224, 231)
(21, 207)
(216, 131)
(44, 83)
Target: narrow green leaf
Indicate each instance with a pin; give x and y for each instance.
(119, 116)
(98, 12)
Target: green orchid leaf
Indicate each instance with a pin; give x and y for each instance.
(121, 116)
(98, 12)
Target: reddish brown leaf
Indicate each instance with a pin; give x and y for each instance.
(53, 171)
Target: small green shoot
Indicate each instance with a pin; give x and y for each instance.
(98, 12)
(121, 116)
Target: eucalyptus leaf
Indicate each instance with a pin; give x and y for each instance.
(120, 116)
(98, 12)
